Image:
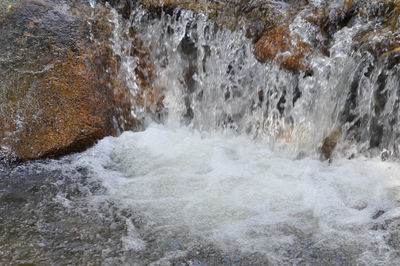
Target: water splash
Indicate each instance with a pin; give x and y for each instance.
(231, 192)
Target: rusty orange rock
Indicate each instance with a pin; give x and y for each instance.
(278, 44)
(61, 92)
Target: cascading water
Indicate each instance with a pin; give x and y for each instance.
(211, 81)
(227, 168)
(232, 163)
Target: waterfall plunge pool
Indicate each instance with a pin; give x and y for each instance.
(190, 190)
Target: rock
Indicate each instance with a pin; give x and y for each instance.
(378, 214)
(251, 16)
(148, 96)
(58, 92)
(380, 39)
(279, 45)
(123, 7)
(254, 18)
(330, 143)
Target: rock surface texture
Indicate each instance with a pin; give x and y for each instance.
(58, 89)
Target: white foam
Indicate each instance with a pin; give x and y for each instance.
(234, 192)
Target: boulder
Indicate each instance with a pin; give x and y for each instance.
(59, 91)
(279, 45)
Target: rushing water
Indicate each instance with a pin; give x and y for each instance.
(177, 196)
(197, 189)
(221, 175)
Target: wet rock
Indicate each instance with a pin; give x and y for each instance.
(58, 93)
(378, 214)
(268, 23)
(257, 19)
(330, 143)
(279, 45)
(149, 96)
(381, 38)
(379, 41)
(336, 16)
(124, 7)
(251, 16)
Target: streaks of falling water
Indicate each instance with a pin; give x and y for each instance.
(211, 81)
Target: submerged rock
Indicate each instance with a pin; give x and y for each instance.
(58, 89)
(329, 143)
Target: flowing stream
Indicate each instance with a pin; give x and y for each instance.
(229, 171)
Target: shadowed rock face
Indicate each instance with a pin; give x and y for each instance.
(58, 89)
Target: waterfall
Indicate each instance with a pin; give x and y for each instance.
(209, 79)
(229, 156)
(234, 159)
